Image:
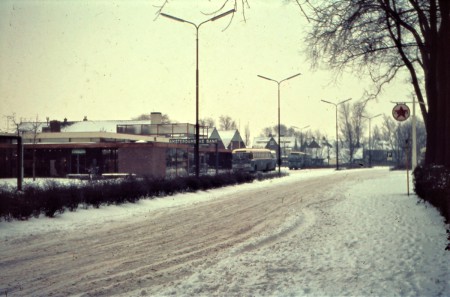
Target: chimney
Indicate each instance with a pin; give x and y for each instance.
(156, 118)
(55, 126)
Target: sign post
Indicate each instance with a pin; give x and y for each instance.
(407, 165)
(414, 136)
(401, 113)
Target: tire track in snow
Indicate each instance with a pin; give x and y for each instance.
(156, 249)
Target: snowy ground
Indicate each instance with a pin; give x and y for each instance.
(314, 233)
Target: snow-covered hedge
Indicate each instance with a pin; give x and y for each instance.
(54, 197)
(432, 184)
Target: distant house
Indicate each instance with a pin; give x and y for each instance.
(265, 142)
(287, 144)
(227, 139)
(313, 148)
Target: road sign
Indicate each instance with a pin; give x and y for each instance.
(192, 141)
(400, 112)
(389, 156)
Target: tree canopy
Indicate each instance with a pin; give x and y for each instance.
(382, 37)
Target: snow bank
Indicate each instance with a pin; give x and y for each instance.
(113, 213)
(369, 240)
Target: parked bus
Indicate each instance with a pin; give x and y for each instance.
(252, 160)
(298, 160)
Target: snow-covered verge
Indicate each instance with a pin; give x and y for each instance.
(87, 216)
(376, 241)
(346, 233)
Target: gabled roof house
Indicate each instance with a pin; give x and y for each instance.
(228, 139)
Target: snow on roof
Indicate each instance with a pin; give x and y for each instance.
(83, 126)
(30, 126)
(313, 144)
(262, 139)
(228, 136)
(99, 126)
(288, 141)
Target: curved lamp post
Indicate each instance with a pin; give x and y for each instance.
(197, 128)
(370, 141)
(301, 134)
(279, 132)
(337, 135)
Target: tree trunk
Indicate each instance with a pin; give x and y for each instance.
(438, 92)
(34, 164)
(444, 78)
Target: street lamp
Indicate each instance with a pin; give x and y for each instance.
(370, 141)
(300, 128)
(279, 132)
(337, 135)
(197, 128)
(301, 134)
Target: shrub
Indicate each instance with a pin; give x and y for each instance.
(192, 184)
(72, 197)
(132, 190)
(178, 185)
(155, 187)
(92, 194)
(29, 202)
(52, 198)
(432, 184)
(6, 202)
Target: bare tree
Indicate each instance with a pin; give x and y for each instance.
(284, 131)
(388, 131)
(395, 135)
(374, 141)
(352, 128)
(36, 126)
(209, 122)
(32, 127)
(266, 132)
(147, 117)
(383, 37)
(247, 135)
(227, 123)
(11, 121)
(238, 5)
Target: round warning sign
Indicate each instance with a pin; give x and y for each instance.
(400, 112)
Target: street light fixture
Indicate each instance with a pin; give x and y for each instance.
(300, 128)
(301, 134)
(370, 141)
(197, 128)
(337, 134)
(279, 132)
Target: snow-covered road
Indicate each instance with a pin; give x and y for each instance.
(314, 233)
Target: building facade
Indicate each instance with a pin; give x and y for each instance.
(143, 148)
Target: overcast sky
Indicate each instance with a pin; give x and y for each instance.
(115, 60)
